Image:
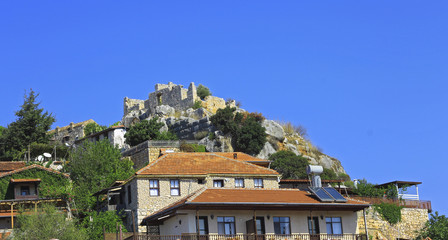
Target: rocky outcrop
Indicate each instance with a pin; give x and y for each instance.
(174, 106)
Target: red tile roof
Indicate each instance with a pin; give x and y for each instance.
(286, 199)
(201, 164)
(31, 167)
(240, 156)
(10, 166)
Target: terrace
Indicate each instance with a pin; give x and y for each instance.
(298, 236)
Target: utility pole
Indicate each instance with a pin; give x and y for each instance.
(29, 153)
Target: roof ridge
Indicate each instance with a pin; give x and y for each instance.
(247, 163)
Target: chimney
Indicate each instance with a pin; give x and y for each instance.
(315, 172)
(235, 155)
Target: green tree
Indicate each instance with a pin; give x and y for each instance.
(436, 228)
(92, 128)
(203, 91)
(47, 223)
(248, 135)
(289, 164)
(328, 174)
(146, 130)
(94, 166)
(31, 125)
(95, 221)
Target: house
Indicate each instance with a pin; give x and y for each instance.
(217, 193)
(114, 134)
(28, 186)
(69, 134)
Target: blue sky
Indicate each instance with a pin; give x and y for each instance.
(366, 78)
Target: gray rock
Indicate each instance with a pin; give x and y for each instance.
(292, 148)
(266, 151)
(164, 111)
(198, 113)
(274, 129)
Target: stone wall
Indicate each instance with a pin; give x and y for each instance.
(69, 134)
(172, 95)
(148, 151)
(190, 128)
(412, 220)
(132, 105)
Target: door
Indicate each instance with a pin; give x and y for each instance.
(203, 227)
(313, 228)
(260, 228)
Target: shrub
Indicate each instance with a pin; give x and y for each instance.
(47, 223)
(146, 130)
(95, 221)
(435, 228)
(291, 128)
(92, 128)
(197, 104)
(328, 174)
(389, 212)
(186, 147)
(203, 91)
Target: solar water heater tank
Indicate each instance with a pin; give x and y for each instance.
(314, 170)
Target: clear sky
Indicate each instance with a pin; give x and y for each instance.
(368, 79)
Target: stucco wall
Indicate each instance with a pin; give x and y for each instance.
(299, 221)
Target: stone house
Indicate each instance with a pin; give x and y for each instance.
(222, 193)
(114, 134)
(22, 187)
(69, 134)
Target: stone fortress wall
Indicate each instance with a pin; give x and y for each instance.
(412, 219)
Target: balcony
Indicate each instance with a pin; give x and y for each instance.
(407, 203)
(26, 197)
(140, 236)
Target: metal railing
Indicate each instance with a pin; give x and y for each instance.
(420, 204)
(251, 237)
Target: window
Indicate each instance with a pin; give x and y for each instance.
(239, 182)
(203, 225)
(258, 182)
(129, 194)
(25, 190)
(226, 225)
(281, 225)
(153, 187)
(200, 181)
(334, 225)
(175, 188)
(313, 225)
(218, 183)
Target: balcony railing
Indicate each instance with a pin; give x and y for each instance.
(420, 204)
(141, 236)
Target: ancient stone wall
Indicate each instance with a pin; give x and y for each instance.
(69, 134)
(412, 220)
(132, 105)
(190, 129)
(172, 95)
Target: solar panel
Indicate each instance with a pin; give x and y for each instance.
(321, 194)
(335, 194)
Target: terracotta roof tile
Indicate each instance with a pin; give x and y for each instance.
(201, 164)
(240, 156)
(11, 166)
(259, 196)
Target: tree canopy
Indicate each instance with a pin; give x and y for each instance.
(203, 91)
(92, 128)
(248, 135)
(47, 223)
(94, 166)
(435, 228)
(146, 130)
(289, 164)
(31, 126)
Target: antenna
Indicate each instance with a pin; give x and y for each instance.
(40, 158)
(47, 155)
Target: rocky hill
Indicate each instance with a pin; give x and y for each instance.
(182, 111)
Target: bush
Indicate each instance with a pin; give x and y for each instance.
(289, 164)
(95, 221)
(435, 228)
(47, 223)
(147, 130)
(389, 211)
(328, 174)
(197, 104)
(203, 91)
(186, 147)
(365, 189)
(291, 128)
